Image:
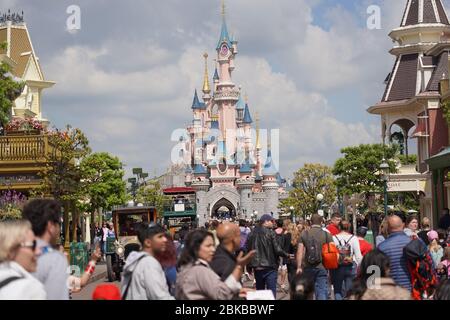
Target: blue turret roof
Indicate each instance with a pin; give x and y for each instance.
(247, 117)
(280, 179)
(216, 75)
(214, 124)
(188, 169)
(269, 167)
(240, 105)
(196, 104)
(246, 167)
(224, 36)
(199, 169)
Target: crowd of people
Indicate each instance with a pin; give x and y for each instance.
(309, 260)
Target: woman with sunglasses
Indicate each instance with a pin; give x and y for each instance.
(18, 258)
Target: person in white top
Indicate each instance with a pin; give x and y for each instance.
(18, 258)
(349, 258)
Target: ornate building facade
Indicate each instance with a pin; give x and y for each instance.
(413, 99)
(222, 150)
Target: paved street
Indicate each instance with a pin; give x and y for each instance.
(86, 293)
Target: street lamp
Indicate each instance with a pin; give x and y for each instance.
(320, 199)
(293, 213)
(384, 169)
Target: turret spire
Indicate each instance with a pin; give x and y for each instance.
(258, 145)
(206, 87)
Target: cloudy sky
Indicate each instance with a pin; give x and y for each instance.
(311, 68)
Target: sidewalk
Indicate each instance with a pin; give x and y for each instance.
(99, 273)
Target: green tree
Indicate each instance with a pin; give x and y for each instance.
(358, 171)
(308, 182)
(102, 176)
(61, 177)
(9, 91)
(151, 193)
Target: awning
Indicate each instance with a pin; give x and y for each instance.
(440, 160)
(421, 129)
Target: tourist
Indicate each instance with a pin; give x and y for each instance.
(333, 227)
(393, 248)
(244, 232)
(97, 231)
(302, 287)
(196, 280)
(77, 283)
(292, 239)
(422, 234)
(213, 229)
(224, 261)
(381, 287)
(443, 291)
(436, 251)
(383, 232)
(309, 256)
(143, 277)
(446, 260)
(105, 230)
(444, 221)
(52, 265)
(364, 245)
(284, 244)
(265, 263)
(106, 292)
(349, 258)
(18, 258)
(412, 225)
(168, 261)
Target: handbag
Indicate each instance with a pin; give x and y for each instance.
(330, 256)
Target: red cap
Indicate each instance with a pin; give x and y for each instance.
(106, 292)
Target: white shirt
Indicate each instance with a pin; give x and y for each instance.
(354, 245)
(26, 288)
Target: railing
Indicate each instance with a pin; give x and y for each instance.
(23, 148)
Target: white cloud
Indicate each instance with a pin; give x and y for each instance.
(134, 93)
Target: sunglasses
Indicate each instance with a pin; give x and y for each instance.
(31, 244)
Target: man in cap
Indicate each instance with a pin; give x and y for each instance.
(265, 263)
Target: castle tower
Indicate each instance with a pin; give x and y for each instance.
(224, 173)
(270, 186)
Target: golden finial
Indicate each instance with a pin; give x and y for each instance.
(206, 87)
(223, 8)
(246, 98)
(258, 145)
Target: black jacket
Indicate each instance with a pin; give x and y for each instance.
(268, 249)
(223, 263)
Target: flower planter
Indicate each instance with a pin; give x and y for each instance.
(22, 132)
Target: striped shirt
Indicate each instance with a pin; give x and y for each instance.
(393, 248)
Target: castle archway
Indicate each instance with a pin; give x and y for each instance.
(223, 209)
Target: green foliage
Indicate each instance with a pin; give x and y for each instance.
(103, 179)
(62, 176)
(446, 111)
(407, 160)
(359, 170)
(308, 182)
(151, 194)
(9, 91)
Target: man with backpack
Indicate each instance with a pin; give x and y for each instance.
(309, 256)
(349, 258)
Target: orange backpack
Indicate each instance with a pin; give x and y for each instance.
(330, 256)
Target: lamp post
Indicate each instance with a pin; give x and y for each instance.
(320, 199)
(292, 213)
(384, 169)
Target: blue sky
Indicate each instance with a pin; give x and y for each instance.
(310, 67)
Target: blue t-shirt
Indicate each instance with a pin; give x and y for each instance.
(393, 248)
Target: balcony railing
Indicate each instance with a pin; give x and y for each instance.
(23, 148)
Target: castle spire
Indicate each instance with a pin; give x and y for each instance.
(424, 11)
(258, 145)
(224, 35)
(206, 87)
